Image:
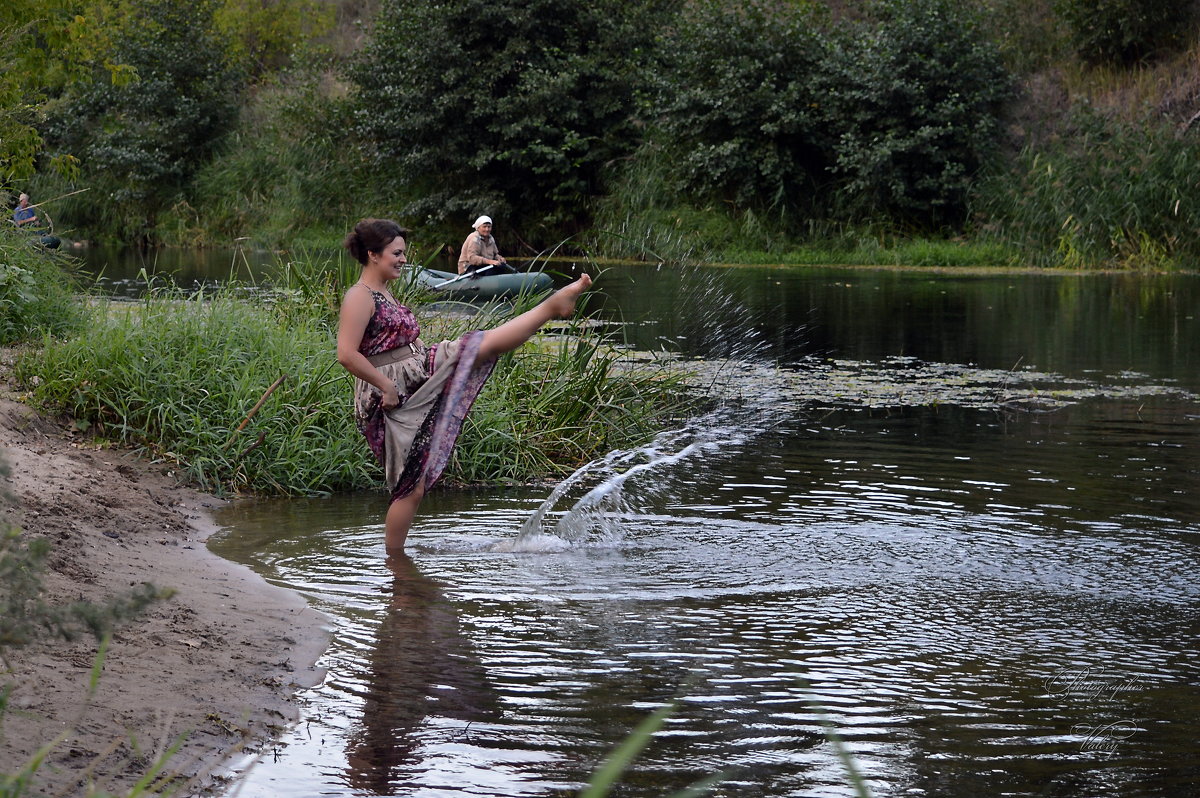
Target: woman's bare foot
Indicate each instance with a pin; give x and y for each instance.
(562, 302)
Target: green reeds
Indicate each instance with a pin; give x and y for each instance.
(36, 289)
(192, 382)
(1114, 195)
(177, 376)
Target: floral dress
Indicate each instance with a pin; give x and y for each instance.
(437, 386)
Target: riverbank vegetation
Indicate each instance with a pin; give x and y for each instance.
(241, 391)
(36, 294)
(995, 132)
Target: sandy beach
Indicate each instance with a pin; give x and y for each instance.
(217, 665)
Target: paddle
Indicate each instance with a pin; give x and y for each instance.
(475, 273)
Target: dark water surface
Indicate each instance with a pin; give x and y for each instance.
(982, 600)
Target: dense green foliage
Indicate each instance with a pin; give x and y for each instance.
(1125, 31)
(285, 172)
(141, 141)
(801, 126)
(36, 295)
(745, 127)
(666, 128)
(913, 103)
(500, 107)
(1113, 192)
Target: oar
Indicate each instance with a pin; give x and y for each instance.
(475, 273)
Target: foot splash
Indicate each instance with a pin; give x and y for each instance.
(606, 492)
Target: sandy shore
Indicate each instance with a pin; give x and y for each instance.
(218, 663)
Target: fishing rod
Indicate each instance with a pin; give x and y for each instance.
(60, 196)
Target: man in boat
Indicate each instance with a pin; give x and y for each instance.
(23, 215)
(480, 252)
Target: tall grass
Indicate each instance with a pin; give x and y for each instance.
(1117, 194)
(192, 381)
(884, 251)
(37, 290)
(176, 377)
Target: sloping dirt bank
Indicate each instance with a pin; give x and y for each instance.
(217, 664)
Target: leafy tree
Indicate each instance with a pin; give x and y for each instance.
(501, 106)
(19, 137)
(44, 46)
(913, 105)
(139, 142)
(737, 107)
(765, 105)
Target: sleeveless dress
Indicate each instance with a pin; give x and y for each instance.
(437, 386)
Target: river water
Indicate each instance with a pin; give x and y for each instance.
(952, 519)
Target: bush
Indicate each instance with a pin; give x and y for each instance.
(795, 125)
(913, 108)
(1125, 31)
(285, 170)
(504, 107)
(36, 291)
(140, 141)
(737, 110)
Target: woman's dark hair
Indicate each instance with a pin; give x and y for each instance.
(372, 235)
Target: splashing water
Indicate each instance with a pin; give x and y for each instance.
(619, 486)
(604, 495)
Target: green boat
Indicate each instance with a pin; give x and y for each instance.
(481, 285)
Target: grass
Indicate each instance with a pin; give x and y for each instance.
(896, 252)
(1116, 194)
(37, 290)
(189, 380)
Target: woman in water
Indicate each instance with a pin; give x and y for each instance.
(409, 399)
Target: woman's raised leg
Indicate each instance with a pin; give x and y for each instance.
(514, 332)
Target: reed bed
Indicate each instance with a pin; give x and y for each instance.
(246, 396)
(1116, 194)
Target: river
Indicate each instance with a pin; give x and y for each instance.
(946, 525)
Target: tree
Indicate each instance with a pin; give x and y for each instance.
(44, 46)
(500, 106)
(914, 100)
(138, 142)
(1125, 31)
(736, 107)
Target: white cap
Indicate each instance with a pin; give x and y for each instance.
(482, 220)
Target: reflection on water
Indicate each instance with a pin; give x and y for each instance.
(419, 667)
(983, 600)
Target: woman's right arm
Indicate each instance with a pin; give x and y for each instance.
(356, 312)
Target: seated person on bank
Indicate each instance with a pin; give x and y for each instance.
(24, 215)
(479, 252)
